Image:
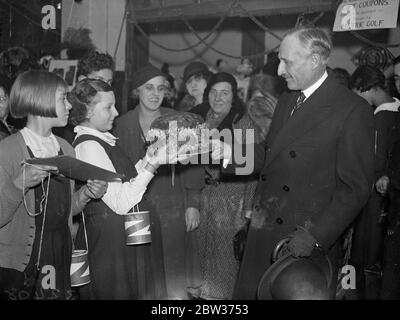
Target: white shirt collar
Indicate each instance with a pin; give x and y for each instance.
(310, 90)
(105, 136)
(41, 147)
(389, 106)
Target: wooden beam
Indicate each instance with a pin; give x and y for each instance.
(216, 8)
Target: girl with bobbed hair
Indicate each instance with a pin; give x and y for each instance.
(116, 269)
(366, 78)
(36, 205)
(369, 83)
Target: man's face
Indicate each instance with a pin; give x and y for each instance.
(295, 64)
(397, 77)
(105, 75)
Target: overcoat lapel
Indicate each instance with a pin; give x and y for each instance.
(314, 110)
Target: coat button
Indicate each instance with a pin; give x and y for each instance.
(292, 154)
(286, 188)
(263, 177)
(279, 221)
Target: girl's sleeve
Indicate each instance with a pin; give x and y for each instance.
(120, 197)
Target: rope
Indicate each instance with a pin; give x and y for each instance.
(227, 54)
(221, 20)
(44, 194)
(84, 229)
(258, 22)
(70, 14)
(374, 43)
(43, 222)
(235, 4)
(201, 40)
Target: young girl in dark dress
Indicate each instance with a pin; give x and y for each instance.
(36, 206)
(118, 271)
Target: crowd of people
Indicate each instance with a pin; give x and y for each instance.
(325, 162)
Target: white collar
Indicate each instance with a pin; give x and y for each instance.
(389, 106)
(105, 136)
(310, 90)
(41, 147)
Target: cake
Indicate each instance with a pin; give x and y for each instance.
(183, 131)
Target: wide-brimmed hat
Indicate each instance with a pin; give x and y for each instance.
(142, 75)
(291, 278)
(193, 68)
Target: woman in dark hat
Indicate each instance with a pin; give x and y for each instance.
(224, 198)
(195, 79)
(172, 197)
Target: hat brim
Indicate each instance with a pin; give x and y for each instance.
(264, 287)
(317, 259)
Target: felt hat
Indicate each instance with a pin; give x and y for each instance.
(221, 77)
(290, 278)
(194, 68)
(142, 75)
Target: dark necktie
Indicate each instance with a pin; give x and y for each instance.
(298, 104)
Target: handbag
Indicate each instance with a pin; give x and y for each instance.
(239, 241)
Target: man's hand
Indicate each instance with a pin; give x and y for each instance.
(192, 217)
(301, 243)
(382, 185)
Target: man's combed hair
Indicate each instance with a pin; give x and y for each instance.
(82, 96)
(315, 40)
(34, 93)
(95, 61)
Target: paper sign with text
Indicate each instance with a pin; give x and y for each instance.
(366, 14)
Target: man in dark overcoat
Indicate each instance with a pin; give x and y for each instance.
(316, 168)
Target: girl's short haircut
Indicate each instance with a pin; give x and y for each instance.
(34, 93)
(366, 77)
(82, 96)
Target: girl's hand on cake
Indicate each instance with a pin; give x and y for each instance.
(162, 154)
